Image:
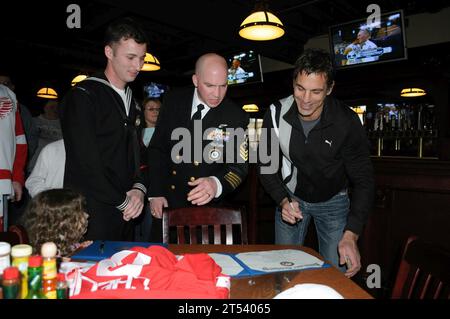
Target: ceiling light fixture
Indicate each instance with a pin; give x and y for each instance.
(151, 63)
(412, 92)
(261, 24)
(78, 79)
(47, 93)
(250, 108)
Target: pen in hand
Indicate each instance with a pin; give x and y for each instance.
(292, 206)
(348, 262)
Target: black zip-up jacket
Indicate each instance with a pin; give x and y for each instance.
(335, 156)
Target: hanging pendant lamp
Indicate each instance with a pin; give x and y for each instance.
(412, 92)
(261, 25)
(47, 93)
(78, 79)
(250, 108)
(151, 63)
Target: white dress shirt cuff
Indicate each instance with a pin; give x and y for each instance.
(219, 186)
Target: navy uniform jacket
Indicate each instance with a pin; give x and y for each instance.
(102, 153)
(169, 178)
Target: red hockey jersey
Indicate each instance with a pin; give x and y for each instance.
(152, 272)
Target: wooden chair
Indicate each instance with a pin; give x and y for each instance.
(424, 272)
(15, 235)
(196, 223)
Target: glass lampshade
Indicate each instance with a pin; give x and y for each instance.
(151, 63)
(250, 108)
(47, 93)
(78, 79)
(261, 26)
(412, 92)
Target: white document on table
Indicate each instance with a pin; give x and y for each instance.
(279, 260)
(229, 266)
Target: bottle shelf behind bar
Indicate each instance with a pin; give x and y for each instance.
(403, 129)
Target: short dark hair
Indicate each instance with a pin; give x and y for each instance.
(315, 61)
(125, 28)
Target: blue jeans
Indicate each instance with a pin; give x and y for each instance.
(330, 218)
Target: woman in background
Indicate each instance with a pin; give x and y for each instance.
(48, 129)
(151, 110)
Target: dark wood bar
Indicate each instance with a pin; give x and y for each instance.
(412, 198)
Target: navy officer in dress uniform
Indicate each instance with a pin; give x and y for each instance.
(204, 170)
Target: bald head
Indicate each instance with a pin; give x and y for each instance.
(208, 61)
(210, 78)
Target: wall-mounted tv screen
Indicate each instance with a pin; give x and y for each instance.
(359, 43)
(244, 67)
(155, 90)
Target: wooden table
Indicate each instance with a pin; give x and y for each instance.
(267, 286)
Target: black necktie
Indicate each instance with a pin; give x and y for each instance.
(198, 114)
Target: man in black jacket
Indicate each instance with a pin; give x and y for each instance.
(324, 151)
(98, 120)
(203, 121)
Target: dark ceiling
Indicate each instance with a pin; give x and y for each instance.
(37, 44)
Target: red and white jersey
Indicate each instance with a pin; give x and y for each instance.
(152, 272)
(13, 145)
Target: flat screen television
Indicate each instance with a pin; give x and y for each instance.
(359, 43)
(155, 90)
(244, 67)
